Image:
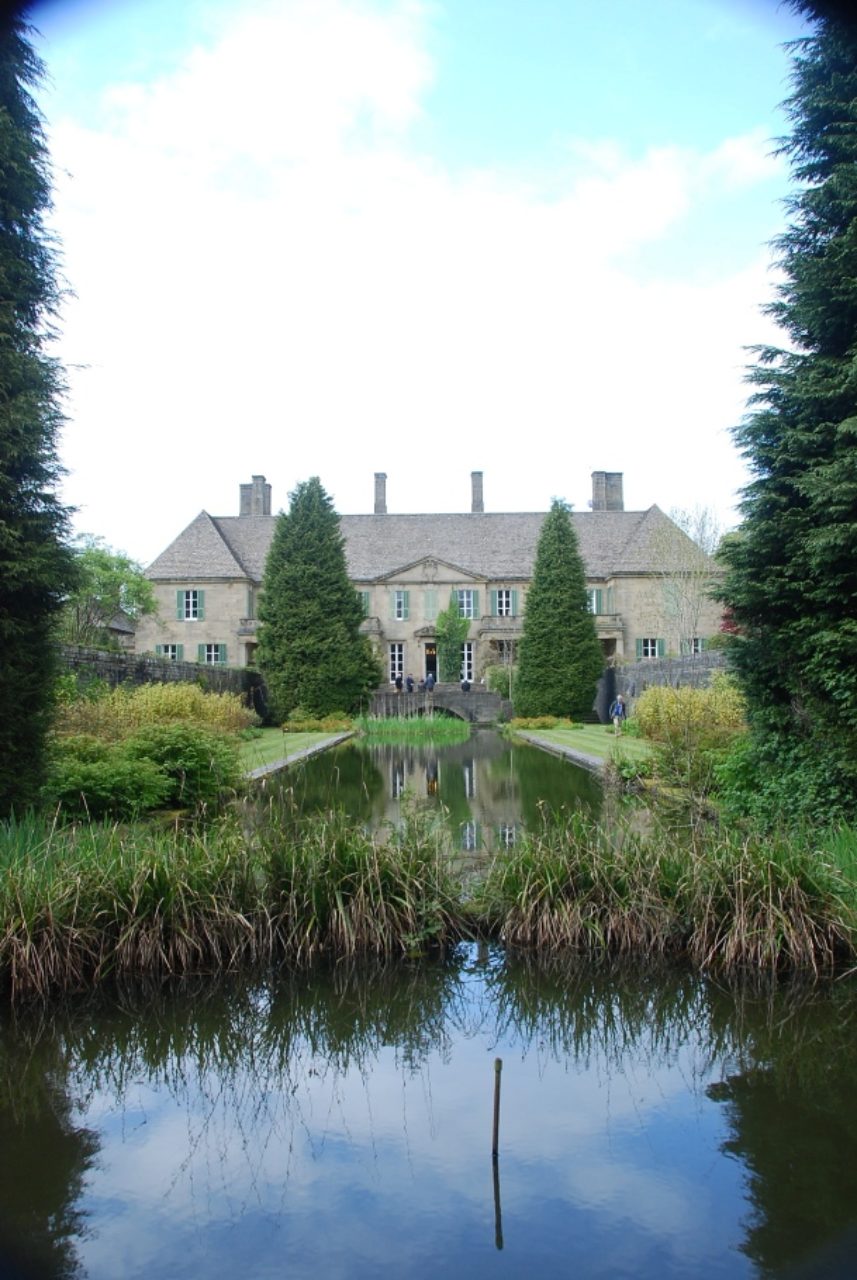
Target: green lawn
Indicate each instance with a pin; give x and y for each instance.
(597, 740)
(275, 745)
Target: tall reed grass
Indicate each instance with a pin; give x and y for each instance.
(414, 729)
(85, 903)
(724, 901)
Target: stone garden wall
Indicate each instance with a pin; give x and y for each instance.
(129, 668)
(633, 677)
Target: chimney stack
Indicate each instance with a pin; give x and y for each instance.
(477, 503)
(607, 492)
(255, 498)
(380, 493)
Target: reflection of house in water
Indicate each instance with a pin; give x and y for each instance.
(488, 788)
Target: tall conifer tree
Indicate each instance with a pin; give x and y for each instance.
(792, 579)
(35, 566)
(310, 647)
(560, 657)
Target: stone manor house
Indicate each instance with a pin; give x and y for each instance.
(647, 580)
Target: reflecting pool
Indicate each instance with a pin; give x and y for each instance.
(338, 1124)
(488, 788)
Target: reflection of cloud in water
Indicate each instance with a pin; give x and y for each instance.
(324, 1150)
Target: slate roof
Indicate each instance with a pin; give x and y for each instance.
(495, 545)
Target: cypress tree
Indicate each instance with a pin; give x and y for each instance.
(792, 573)
(310, 646)
(35, 566)
(560, 658)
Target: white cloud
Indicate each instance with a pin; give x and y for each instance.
(271, 278)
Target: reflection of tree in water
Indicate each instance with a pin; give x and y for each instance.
(793, 1113)
(44, 1160)
(245, 1063)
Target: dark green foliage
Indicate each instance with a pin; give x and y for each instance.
(200, 764)
(35, 568)
(310, 646)
(161, 764)
(560, 658)
(109, 787)
(451, 630)
(792, 575)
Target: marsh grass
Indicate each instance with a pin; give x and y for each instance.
(725, 902)
(86, 903)
(81, 904)
(414, 729)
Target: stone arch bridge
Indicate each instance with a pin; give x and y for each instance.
(478, 705)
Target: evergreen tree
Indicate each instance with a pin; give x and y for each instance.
(35, 566)
(310, 647)
(560, 658)
(791, 584)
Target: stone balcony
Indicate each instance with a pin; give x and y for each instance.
(247, 626)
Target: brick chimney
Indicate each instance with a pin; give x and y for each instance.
(255, 498)
(380, 493)
(607, 492)
(477, 503)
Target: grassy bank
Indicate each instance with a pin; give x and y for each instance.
(598, 740)
(87, 903)
(269, 746)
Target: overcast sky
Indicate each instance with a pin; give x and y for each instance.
(334, 237)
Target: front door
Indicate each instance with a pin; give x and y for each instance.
(431, 659)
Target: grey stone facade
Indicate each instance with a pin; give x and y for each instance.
(407, 567)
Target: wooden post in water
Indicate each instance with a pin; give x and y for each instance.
(495, 1140)
(495, 1148)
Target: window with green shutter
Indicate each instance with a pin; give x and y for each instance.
(651, 647)
(211, 654)
(430, 605)
(364, 602)
(190, 605)
(468, 603)
(504, 603)
(401, 605)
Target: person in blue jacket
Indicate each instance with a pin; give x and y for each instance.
(618, 711)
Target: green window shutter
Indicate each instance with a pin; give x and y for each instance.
(221, 653)
(159, 650)
(179, 653)
(639, 650)
(514, 604)
(406, 610)
(364, 601)
(493, 603)
(430, 605)
(200, 653)
(200, 605)
(610, 608)
(180, 606)
(392, 606)
(703, 644)
(599, 600)
(476, 604)
(662, 648)
(684, 647)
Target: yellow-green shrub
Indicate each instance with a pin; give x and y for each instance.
(663, 711)
(123, 710)
(691, 729)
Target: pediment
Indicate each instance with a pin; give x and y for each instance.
(432, 572)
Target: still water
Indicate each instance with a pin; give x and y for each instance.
(487, 789)
(339, 1125)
